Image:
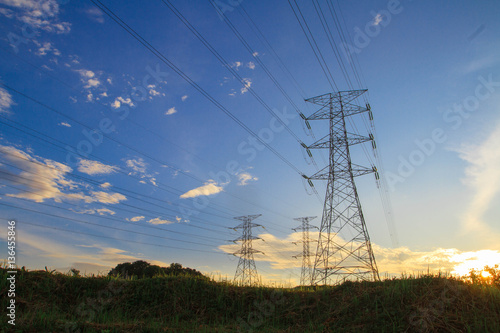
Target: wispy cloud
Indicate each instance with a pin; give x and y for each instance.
(136, 219)
(137, 164)
(159, 220)
(45, 48)
(95, 168)
(95, 14)
(377, 19)
(209, 188)
(251, 65)
(246, 177)
(100, 211)
(65, 124)
(5, 101)
(483, 177)
(247, 85)
(44, 179)
(38, 14)
(183, 98)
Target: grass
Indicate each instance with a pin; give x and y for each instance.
(53, 302)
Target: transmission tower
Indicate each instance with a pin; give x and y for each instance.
(246, 272)
(348, 256)
(306, 272)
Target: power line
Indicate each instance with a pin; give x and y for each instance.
(160, 56)
(114, 238)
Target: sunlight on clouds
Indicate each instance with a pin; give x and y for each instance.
(95, 168)
(158, 220)
(246, 177)
(46, 179)
(391, 261)
(136, 219)
(209, 188)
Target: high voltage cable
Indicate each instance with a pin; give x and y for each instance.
(280, 62)
(160, 56)
(143, 127)
(125, 192)
(332, 81)
(226, 64)
(109, 217)
(114, 140)
(95, 224)
(114, 238)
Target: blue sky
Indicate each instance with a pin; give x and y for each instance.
(156, 171)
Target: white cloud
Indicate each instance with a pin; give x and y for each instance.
(90, 97)
(104, 94)
(483, 176)
(251, 65)
(104, 197)
(255, 54)
(95, 168)
(153, 92)
(92, 83)
(85, 74)
(38, 14)
(136, 219)
(120, 100)
(138, 165)
(246, 177)
(183, 98)
(209, 188)
(159, 221)
(116, 104)
(89, 78)
(391, 261)
(171, 111)
(105, 185)
(236, 64)
(377, 19)
(64, 124)
(5, 101)
(46, 179)
(47, 47)
(248, 84)
(95, 14)
(100, 211)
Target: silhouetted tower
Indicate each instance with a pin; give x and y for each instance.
(350, 256)
(246, 272)
(306, 272)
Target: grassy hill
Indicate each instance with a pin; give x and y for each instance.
(51, 302)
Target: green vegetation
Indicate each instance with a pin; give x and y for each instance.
(142, 269)
(53, 302)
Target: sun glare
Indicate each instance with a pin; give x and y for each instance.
(474, 261)
(485, 274)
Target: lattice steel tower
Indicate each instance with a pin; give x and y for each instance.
(246, 272)
(306, 272)
(352, 258)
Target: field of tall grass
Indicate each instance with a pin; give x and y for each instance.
(54, 302)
